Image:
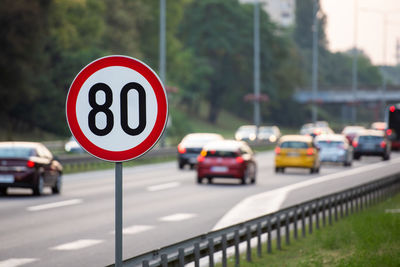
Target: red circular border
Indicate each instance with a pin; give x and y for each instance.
(162, 113)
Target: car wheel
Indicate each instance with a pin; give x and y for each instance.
(199, 180)
(316, 170)
(38, 187)
(56, 189)
(276, 169)
(209, 179)
(181, 165)
(192, 166)
(357, 156)
(3, 191)
(312, 170)
(386, 157)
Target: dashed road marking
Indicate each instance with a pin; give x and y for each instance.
(178, 217)
(14, 262)
(55, 205)
(79, 244)
(163, 186)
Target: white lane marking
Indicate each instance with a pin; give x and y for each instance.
(271, 201)
(79, 244)
(392, 211)
(163, 186)
(178, 217)
(13, 262)
(55, 205)
(135, 229)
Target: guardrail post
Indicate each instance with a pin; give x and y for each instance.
(341, 206)
(259, 239)
(278, 231)
(237, 252)
(269, 237)
(181, 257)
(330, 210)
(310, 220)
(224, 247)
(211, 252)
(248, 242)
(295, 222)
(336, 208)
(287, 233)
(196, 254)
(324, 212)
(164, 260)
(303, 223)
(317, 214)
(346, 202)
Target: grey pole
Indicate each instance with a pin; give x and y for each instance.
(257, 118)
(383, 101)
(315, 62)
(162, 62)
(355, 66)
(118, 214)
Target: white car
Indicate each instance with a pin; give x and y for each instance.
(72, 146)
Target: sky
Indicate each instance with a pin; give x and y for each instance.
(369, 30)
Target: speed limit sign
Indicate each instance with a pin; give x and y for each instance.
(117, 108)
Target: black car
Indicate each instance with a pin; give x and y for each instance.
(28, 165)
(371, 143)
(191, 145)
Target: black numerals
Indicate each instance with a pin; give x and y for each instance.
(105, 108)
(124, 108)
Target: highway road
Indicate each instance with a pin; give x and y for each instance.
(162, 205)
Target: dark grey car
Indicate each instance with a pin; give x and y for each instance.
(372, 143)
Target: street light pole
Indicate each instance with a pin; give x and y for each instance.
(355, 66)
(162, 60)
(257, 117)
(315, 62)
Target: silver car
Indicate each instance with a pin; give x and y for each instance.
(334, 148)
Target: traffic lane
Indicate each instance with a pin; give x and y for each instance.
(369, 169)
(93, 219)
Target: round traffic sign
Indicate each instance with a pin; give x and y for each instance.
(117, 108)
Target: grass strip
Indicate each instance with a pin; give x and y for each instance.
(370, 238)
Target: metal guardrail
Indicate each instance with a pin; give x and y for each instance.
(319, 212)
(79, 160)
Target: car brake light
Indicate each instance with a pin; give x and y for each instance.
(200, 158)
(181, 149)
(392, 108)
(30, 164)
(383, 144)
(389, 132)
(277, 150)
(355, 143)
(239, 160)
(310, 151)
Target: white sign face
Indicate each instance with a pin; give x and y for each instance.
(117, 108)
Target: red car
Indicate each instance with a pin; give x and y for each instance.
(28, 165)
(227, 159)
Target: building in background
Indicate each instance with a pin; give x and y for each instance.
(281, 12)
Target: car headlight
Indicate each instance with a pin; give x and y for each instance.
(272, 138)
(252, 137)
(238, 136)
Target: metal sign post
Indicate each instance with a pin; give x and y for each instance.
(118, 214)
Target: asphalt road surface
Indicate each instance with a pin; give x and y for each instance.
(162, 205)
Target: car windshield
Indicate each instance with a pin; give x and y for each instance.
(221, 153)
(352, 129)
(266, 130)
(16, 152)
(200, 140)
(330, 144)
(247, 130)
(370, 138)
(294, 144)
